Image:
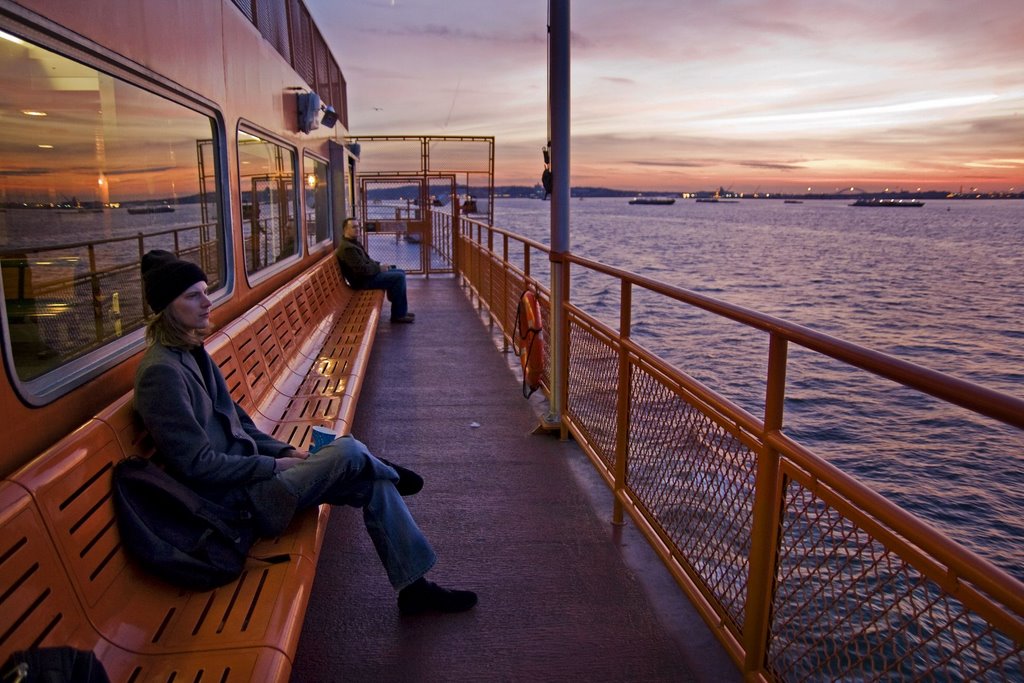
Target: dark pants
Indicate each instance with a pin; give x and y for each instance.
(392, 282)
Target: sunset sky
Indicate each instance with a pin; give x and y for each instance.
(679, 95)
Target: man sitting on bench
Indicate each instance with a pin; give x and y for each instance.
(209, 443)
(362, 272)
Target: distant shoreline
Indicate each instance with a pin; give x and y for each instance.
(537, 192)
(517, 191)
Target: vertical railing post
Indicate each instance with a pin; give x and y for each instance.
(427, 248)
(97, 294)
(142, 289)
(477, 267)
(622, 403)
(470, 249)
(766, 516)
(560, 332)
(505, 294)
(491, 274)
(456, 245)
(474, 258)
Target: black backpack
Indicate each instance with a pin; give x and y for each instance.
(60, 664)
(175, 533)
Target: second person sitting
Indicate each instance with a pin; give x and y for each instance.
(362, 272)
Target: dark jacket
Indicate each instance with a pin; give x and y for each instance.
(356, 264)
(201, 434)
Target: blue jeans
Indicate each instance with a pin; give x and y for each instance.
(344, 472)
(392, 282)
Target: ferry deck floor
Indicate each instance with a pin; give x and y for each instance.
(524, 520)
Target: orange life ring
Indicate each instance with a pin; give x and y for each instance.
(529, 328)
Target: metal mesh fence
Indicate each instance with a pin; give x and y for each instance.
(848, 606)
(848, 596)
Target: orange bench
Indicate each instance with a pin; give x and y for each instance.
(294, 361)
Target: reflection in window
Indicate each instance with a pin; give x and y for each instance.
(96, 172)
(317, 206)
(269, 228)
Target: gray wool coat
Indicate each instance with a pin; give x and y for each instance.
(202, 436)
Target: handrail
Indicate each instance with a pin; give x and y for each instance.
(107, 240)
(985, 401)
(988, 402)
(781, 543)
(962, 562)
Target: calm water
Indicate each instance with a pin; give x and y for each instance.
(941, 286)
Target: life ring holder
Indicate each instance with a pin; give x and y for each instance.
(528, 342)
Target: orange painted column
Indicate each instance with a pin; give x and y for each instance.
(766, 517)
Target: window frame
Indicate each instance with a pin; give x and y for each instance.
(328, 240)
(61, 380)
(248, 127)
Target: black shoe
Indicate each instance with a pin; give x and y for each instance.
(409, 483)
(407, 318)
(427, 596)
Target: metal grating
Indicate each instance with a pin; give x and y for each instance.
(485, 278)
(272, 22)
(507, 313)
(302, 43)
(246, 6)
(321, 63)
(593, 384)
(847, 606)
(337, 86)
(545, 314)
(695, 481)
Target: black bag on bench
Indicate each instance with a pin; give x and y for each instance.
(53, 665)
(176, 534)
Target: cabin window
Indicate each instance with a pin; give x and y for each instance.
(317, 201)
(270, 230)
(96, 171)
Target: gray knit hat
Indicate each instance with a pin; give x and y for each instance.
(165, 277)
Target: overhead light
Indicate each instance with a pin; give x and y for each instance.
(45, 146)
(30, 112)
(330, 116)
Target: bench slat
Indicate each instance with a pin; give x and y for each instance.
(238, 666)
(36, 600)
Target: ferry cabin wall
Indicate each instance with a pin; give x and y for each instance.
(192, 51)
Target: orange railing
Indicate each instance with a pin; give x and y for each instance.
(802, 571)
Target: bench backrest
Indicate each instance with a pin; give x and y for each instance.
(64, 578)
